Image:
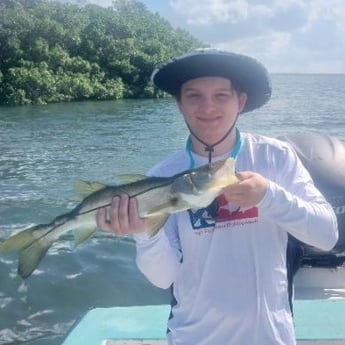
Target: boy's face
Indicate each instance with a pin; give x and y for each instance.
(210, 106)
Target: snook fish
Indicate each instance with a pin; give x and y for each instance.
(157, 197)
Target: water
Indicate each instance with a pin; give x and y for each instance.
(45, 149)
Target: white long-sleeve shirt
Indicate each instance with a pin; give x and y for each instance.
(229, 275)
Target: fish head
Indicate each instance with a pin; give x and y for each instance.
(199, 187)
(215, 175)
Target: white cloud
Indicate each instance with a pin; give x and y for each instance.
(266, 48)
(206, 12)
(286, 35)
(270, 45)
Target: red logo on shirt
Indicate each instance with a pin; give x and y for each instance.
(219, 213)
(230, 212)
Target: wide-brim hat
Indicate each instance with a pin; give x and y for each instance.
(247, 74)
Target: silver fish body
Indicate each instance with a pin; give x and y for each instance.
(158, 197)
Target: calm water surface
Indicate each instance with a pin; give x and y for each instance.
(45, 149)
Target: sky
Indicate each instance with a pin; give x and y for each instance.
(287, 36)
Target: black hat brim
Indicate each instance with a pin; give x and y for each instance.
(247, 74)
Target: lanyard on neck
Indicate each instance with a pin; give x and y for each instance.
(234, 153)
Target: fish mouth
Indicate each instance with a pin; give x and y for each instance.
(213, 175)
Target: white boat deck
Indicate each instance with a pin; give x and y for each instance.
(163, 342)
(319, 315)
(135, 342)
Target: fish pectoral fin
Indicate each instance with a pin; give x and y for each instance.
(31, 256)
(83, 233)
(156, 223)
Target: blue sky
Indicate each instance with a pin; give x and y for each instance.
(291, 36)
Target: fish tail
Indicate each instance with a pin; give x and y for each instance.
(20, 240)
(32, 244)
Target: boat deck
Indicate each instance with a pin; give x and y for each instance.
(319, 315)
(162, 342)
(135, 342)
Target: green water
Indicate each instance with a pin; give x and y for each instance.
(44, 150)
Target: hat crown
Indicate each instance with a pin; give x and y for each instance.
(249, 75)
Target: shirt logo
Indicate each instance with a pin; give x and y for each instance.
(220, 211)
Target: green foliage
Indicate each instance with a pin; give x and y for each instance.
(58, 52)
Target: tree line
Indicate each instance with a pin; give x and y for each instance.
(61, 52)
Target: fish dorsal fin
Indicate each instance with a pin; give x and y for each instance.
(129, 178)
(156, 223)
(85, 188)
